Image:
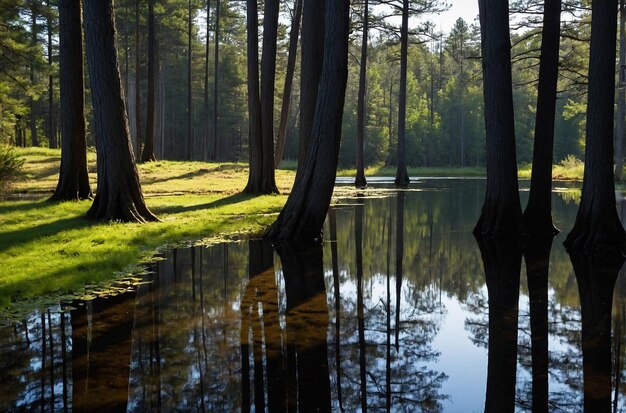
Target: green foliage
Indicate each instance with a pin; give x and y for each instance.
(10, 167)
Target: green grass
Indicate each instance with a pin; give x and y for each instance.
(48, 248)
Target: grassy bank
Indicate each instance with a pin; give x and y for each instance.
(48, 248)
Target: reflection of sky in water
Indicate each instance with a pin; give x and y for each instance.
(175, 355)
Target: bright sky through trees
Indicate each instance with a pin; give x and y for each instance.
(467, 9)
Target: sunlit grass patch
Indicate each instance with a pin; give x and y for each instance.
(51, 248)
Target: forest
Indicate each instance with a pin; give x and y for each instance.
(199, 79)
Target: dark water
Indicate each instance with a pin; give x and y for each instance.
(390, 314)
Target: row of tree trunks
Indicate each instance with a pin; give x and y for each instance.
(305, 210)
(620, 129)
(291, 67)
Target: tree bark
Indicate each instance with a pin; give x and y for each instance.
(597, 224)
(360, 181)
(137, 84)
(402, 176)
(119, 195)
(73, 176)
(148, 148)
(305, 210)
(34, 138)
(268, 79)
(207, 122)
(501, 212)
(189, 95)
(216, 48)
(312, 57)
(291, 66)
(538, 213)
(621, 96)
(255, 173)
(51, 127)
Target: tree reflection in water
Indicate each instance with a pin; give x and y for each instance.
(358, 323)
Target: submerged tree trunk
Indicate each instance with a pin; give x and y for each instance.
(501, 212)
(621, 96)
(538, 213)
(73, 176)
(597, 224)
(312, 57)
(291, 66)
(402, 176)
(502, 263)
(119, 195)
(148, 148)
(596, 274)
(537, 256)
(305, 210)
(360, 181)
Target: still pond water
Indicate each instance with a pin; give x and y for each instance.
(395, 312)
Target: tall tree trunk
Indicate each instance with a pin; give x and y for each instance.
(52, 136)
(268, 80)
(501, 212)
(216, 49)
(137, 84)
(597, 223)
(119, 195)
(291, 67)
(148, 148)
(189, 95)
(360, 181)
(402, 176)
(305, 210)
(255, 174)
(538, 213)
(312, 57)
(73, 176)
(206, 110)
(34, 138)
(621, 96)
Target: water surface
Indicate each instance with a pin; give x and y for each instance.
(399, 310)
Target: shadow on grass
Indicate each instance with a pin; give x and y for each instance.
(16, 238)
(193, 174)
(229, 200)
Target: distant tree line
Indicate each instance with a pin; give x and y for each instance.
(198, 110)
